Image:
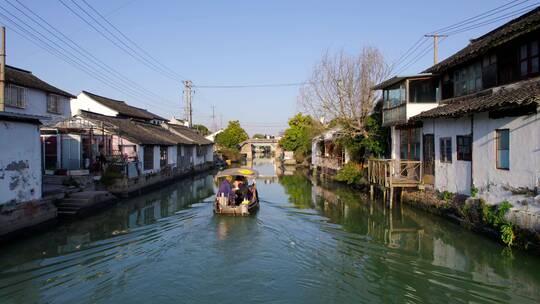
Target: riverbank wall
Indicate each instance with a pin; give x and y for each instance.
(26, 219)
(517, 227)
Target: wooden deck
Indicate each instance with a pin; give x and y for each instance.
(388, 174)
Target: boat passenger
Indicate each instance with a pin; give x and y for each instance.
(241, 190)
(225, 188)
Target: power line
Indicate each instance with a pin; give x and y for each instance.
(163, 66)
(499, 18)
(61, 53)
(119, 44)
(82, 51)
(460, 27)
(273, 85)
(493, 11)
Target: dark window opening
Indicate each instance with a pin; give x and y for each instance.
(503, 149)
(446, 149)
(148, 152)
(529, 64)
(464, 147)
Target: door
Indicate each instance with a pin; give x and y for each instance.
(429, 159)
(71, 152)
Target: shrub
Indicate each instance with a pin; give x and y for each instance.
(109, 176)
(507, 234)
(349, 173)
(447, 196)
(474, 191)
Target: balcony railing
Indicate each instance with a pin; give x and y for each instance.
(395, 115)
(395, 173)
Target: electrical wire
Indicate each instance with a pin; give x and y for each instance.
(77, 48)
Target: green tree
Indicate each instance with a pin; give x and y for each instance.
(232, 136)
(259, 136)
(298, 136)
(202, 129)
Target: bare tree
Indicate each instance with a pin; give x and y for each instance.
(340, 88)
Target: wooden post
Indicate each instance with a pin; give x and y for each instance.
(371, 190)
(2, 69)
(391, 197)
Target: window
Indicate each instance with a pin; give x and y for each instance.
(528, 59)
(503, 149)
(163, 156)
(446, 149)
(410, 144)
(201, 150)
(468, 79)
(148, 157)
(394, 96)
(464, 147)
(53, 104)
(15, 96)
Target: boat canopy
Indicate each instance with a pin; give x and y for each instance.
(246, 172)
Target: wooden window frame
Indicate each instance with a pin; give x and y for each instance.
(20, 104)
(460, 154)
(497, 136)
(56, 100)
(443, 150)
(529, 58)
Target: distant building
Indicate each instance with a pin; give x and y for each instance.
(91, 102)
(327, 154)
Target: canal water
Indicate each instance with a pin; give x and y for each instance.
(309, 243)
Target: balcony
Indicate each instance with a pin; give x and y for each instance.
(407, 96)
(400, 114)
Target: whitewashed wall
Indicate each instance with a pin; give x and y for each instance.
(395, 142)
(455, 176)
(172, 155)
(85, 103)
(20, 162)
(414, 109)
(524, 151)
(36, 104)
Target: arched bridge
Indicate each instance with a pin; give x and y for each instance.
(251, 146)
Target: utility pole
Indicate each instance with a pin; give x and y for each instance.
(214, 125)
(3, 69)
(435, 46)
(188, 110)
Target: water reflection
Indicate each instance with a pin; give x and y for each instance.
(311, 242)
(122, 219)
(424, 255)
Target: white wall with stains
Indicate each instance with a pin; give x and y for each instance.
(20, 162)
(454, 176)
(524, 152)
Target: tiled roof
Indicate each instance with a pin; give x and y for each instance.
(25, 78)
(135, 131)
(10, 116)
(193, 136)
(123, 108)
(518, 94)
(520, 26)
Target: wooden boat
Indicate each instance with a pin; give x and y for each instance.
(223, 205)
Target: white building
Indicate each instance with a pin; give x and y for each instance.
(27, 94)
(91, 102)
(476, 124)
(21, 206)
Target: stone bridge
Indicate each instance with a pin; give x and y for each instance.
(251, 146)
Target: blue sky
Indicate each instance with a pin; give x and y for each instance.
(238, 42)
